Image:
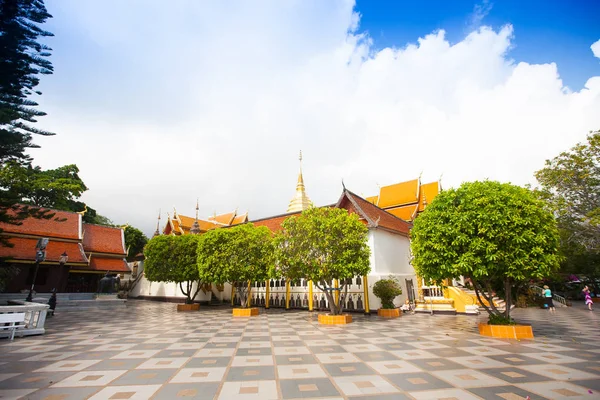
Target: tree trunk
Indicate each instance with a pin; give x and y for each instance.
(508, 297)
(490, 308)
(242, 289)
(196, 292)
(330, 298)
(186, 293)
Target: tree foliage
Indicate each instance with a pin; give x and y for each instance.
(22, 60)
(387, 290)
(486, 231)
(323, 244)
(173, 259)
(135, 240)
(570, 183)
(54, 188)
(236, 255)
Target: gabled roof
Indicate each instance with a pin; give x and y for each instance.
(407, 213)
(103, 239)
(427, 193)
(24, 250)
(240, 219)
(98, 263)
(373, 216)
(225, 219)
(62, 225)
(399, 194)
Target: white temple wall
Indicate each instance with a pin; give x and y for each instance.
(390, 255)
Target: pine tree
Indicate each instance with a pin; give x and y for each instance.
(22, 60)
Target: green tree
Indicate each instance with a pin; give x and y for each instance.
(570, 184)
(173, 259)
(488, 232)
(22, 60)
(323, 244)
(54, 188)
(135, 240)
(237, 255)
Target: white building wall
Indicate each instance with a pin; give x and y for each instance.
(390, 255)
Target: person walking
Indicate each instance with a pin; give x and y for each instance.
(548, 299)
(588, 297)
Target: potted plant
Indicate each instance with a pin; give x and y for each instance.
(324, 245)
(237, 255)
(387, 290)
(491, 233)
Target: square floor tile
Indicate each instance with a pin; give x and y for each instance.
(417, 381)
(259, 390)
(464, 378)
(393, 367)
(311, 388)
(145, 377)
(187, 391)
(558, 390)
(364, 384)
(250, 373)
(300, 371)
(348, 369)
(163, 363)
(295, 359)
(251, 361)
(89, 378)
(59, 394)
(126, 392)
(192, 375)
(444, 394)
(505, 393)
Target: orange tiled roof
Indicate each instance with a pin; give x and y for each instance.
(240, 219)
(399, 194)
(375, 216)
(24, 249)
(98, 263)
(225, 219)
(427, 193)
(407, 212)
(103, 239)
(63, 224)
(372, 199)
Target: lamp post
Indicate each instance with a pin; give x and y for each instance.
(40, 255)
(52, 302)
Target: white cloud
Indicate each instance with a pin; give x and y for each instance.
(480, 11)
(161, 106)
(596, 48)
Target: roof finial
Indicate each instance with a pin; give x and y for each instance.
(197, 208)
(344, 186)
(157, 224)
(300, 201)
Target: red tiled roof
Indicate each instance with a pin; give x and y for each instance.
(273, 223)
(98, 263)
(24, 249)
(375, 216)
(63, 224)
(103, 239)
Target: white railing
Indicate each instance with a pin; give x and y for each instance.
(432, 291)
(35, 316)
(556, 297)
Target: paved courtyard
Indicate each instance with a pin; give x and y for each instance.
(149, 351)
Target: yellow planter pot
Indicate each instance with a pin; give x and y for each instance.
(188, 307)
(506, 331)
(245, 312)
(389, 313)
(328, 319)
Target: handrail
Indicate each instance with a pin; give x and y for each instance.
(555, 296)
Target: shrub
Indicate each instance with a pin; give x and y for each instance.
(387, 290)
(496, 319)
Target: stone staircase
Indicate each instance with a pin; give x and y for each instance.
(498, 302)
(71, 301)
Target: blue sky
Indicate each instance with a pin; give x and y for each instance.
(545, 31)
(212, 100)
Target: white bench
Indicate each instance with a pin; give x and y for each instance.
(14, 321)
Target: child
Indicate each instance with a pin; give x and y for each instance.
(548, 299)
(406, 306)
(588, 297)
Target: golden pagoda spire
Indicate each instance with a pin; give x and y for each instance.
(300, 201)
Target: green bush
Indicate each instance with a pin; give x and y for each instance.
(387, 290)
(496, 319)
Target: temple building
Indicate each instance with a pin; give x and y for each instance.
(78, 255)
(406, 199)
(182, 225)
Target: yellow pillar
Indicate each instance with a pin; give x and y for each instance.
(366, 291)
(287, 294)
(310, 296)
(232, 295)
(267, 292)
(336, 295)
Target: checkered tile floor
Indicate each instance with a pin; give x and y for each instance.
(149, 351)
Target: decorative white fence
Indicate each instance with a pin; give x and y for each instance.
(35, 316)
(558, 298)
